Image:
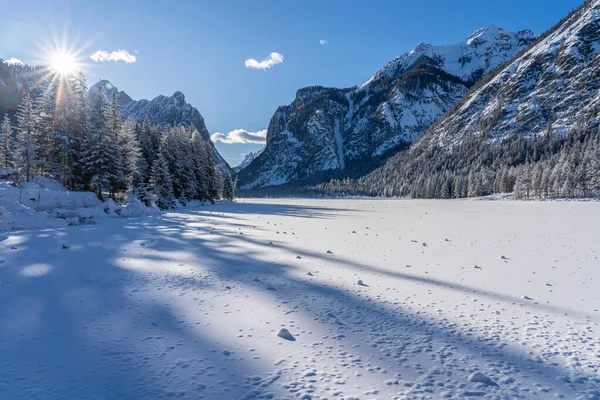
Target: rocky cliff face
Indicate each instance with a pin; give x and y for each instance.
(550, 88)
(330, 132)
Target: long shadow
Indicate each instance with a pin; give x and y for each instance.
(76, 325)
(396, 327)
(112, 335)
(248, 208)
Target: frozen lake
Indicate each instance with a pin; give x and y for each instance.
(383, 299)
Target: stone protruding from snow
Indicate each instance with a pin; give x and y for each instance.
(329, 252)
(526, 298)
(285, 334)
(361, 283)
(480, 377)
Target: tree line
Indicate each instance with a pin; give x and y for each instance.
(539, 166)
(84, 142)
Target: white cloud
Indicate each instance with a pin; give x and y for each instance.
(323, 42)
(117, 55)
(240, 136)
(273, 59)
(14, 61)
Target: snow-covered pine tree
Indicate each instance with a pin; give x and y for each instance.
(162, 184)
(74, 175)
(210, 172)
(101, 151)
(26, 148)
(217, 183)
(176, 149)
(147, 142)
(130, 154)
(228, 188)
(199, 160)
(6, 144)
(46, 140)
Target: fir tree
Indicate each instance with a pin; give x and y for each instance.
(228, 188)
(217, 183)
(162, 184)
(6, 144)
(73, 169)
(27, 137)
(101, 152)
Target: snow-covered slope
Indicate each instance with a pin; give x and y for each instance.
(328, 132)
(247, 160)
(162, 110)
(551, 88)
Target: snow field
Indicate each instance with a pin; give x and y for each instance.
(309, 299)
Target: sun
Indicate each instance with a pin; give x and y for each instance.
(63, 63)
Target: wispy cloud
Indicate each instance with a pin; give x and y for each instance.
(323, 42)
(240, 136)
(117, 55)
(14, 61)
(273, 59)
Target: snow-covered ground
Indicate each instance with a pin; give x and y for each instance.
(383, 299)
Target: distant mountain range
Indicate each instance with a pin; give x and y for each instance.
(335, 133)
(247, 160)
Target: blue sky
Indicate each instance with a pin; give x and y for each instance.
(201, 47)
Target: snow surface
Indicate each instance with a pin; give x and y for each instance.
(380, 297)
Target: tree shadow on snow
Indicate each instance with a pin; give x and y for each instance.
(94, 322)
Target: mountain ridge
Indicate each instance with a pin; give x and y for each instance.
(331, 132)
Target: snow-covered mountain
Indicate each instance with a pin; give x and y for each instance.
(162, 110)
(330, 132)
(247, 160)
(550, 88)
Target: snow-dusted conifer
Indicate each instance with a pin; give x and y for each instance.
(6, 144)
(162, 184)
(26, 148)
(228, 188)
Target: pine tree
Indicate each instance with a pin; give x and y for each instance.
(26, 149)
(228, 188)
(217, 183)
(162, 184)
(130, 154)
(73, 170)
(199, 164)
(101, 151)
(47, 142)
(213, 181)
(6, 144)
